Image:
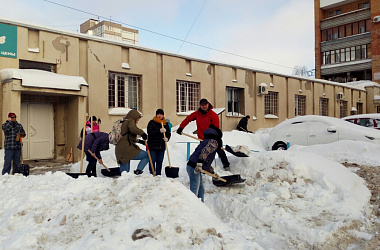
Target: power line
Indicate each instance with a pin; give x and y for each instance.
(192, 25)
(167, 36)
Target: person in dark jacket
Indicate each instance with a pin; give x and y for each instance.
(13, 131)
(243, 123)
(95, 142)
(156, 140)
(202, 158)
(126, 149)
(205, 117)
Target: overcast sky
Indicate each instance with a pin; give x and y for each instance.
(273, 35)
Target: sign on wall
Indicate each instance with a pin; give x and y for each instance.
(8, 40)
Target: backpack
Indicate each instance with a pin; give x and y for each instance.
(115, 135)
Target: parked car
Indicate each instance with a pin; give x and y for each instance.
(312, 129)
(366, 120)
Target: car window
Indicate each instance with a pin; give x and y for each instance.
(377, 121)
(366, 122)
(351, 120)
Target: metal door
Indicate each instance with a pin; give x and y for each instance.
(38, 122)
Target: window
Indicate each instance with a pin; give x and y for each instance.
(363, 5)
(37, 65)
(352, 53)
(271, 103)
(358, 52)
(329, 34)
(341, 32)
(187, 96)
(348, 54)
(364, 51)
(335, 33)
(324, 106)
(361, 27)
(337, 56)
(332, 58)
(324, 35)
(348, 29)
(343, 109)
(124, 91)
(342, 55)
(338, 12)
(300, 105)
(235, 101)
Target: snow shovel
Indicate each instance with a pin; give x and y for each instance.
(99, 160)
(214, 176)
(229, 179)
(76, 175)
(171, 172)
(150, 158)
(227, 148)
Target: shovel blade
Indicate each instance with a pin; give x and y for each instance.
(111, 173)
(230, 179)
(171, 172)
(76, 175)
(238, 154)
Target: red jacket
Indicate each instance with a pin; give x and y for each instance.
(203, 121)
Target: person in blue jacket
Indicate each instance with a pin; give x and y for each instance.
(95, 142)
(202, 157)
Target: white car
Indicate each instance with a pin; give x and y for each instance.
(366, 120)
(313, 129)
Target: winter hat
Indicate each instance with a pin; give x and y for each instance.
(220, 133)
(94, 118)
(159, 111)
(203, 101)
(11, 114)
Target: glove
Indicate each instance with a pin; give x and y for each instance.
(141, 142)
(162, 130)
(144, 136)
(198, 168)
(179, 130)
(165, 139)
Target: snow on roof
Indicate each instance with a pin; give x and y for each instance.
(43, 79)
(363, 84)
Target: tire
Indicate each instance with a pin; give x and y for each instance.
(279, 146)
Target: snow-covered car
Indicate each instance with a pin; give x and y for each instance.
(366, 120)
(313, 129)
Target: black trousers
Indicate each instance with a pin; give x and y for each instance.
(223, 158)
(91, 167)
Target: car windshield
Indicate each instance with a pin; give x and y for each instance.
(366, 122)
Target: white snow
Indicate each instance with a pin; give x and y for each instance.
(290, 199)
(43, 79)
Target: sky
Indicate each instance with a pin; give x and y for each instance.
(272, 35)
(295, 199)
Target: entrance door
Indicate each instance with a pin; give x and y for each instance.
(38, 122)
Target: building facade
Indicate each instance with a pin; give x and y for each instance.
(347, 40)
(119, 76)
(110, 30)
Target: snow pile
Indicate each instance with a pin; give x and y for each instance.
(290, 199)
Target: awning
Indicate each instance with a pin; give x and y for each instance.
(43, 79)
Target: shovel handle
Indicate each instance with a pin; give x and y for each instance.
(166, 145)
(99, 161)
(196, 138)
(213, 175)
(150, 158)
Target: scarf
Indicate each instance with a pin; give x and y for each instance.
(159, 121)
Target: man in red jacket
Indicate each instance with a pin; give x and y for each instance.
(204, 117)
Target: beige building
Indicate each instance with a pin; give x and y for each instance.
(118, 76)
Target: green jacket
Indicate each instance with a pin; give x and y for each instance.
(126, 149)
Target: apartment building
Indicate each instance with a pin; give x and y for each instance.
(347, 40)
(110, 30)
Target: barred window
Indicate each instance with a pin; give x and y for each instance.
(300, 105)
(235, 101)
(324, 106)
(343, 109)
(271, 103)
(187, 96)
(124, 91)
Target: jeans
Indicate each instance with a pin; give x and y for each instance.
(143, 156)
(9, 155)
(157, 159)
(196, 183)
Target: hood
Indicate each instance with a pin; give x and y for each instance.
(133, 114)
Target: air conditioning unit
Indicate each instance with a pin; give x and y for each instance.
(376, 19)
(340, 96)
(263, 90)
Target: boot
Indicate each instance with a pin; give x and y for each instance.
(138, 171)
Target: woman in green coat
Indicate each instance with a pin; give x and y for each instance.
(126, 149)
